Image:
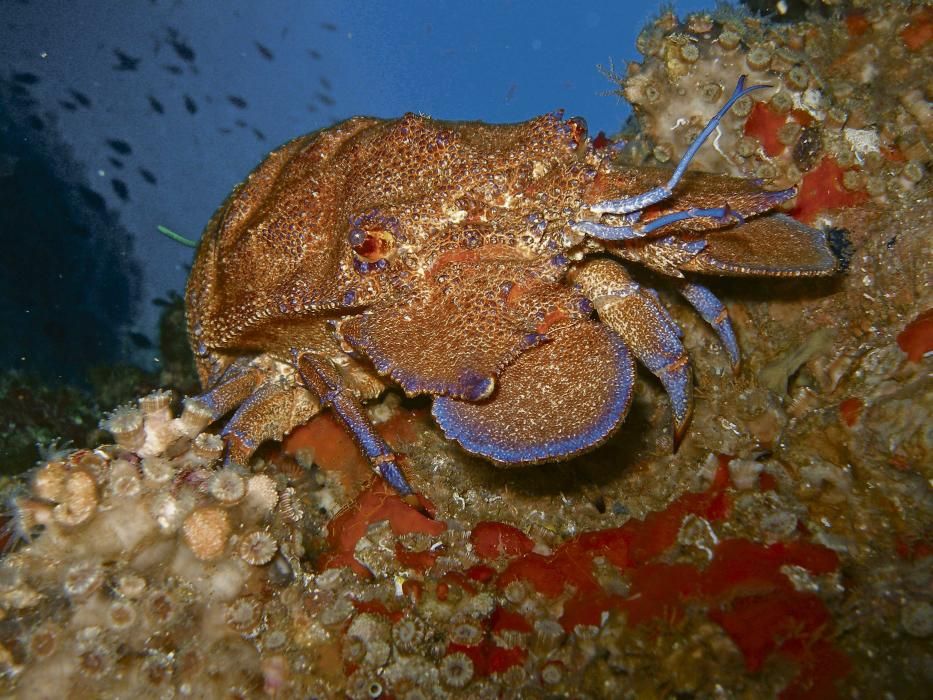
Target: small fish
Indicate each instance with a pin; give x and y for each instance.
(174, 70)
(120, 189)
(191, 105)
(329, 26)
(182, 49)
(312, 108)
(120, 146)
(315, 54)
(241, 123)
(237, 101)
(35, 122)
(224, 130)
(157, 106)
(325, 98)
(92, 199)
(325, 83)
(19, 90)
(115, 162)
(125, 61)
(148, 176)
(264, 51)
(159, 301)
(80, 97)
(258, 134)
(26, 78)
(70, 106)
(140, 341)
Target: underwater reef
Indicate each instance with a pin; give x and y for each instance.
(70, 286)
(39, 414)
(784, 550)
(70, 277)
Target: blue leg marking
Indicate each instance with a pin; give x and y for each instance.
(715, 314)
(648, 328)
(233, 387)
(607, 232)
(665, 358)
(653, 196)
(723, 213)
(323, 380)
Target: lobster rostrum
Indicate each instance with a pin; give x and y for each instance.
(487, 266)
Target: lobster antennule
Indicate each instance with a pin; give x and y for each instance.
(737, 94)
(627, 205)
(605, 232)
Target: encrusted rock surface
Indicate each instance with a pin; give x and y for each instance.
(847, 117)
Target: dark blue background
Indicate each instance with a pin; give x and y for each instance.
(297, 66)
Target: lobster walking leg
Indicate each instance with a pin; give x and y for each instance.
(715, 314)
(645, 325)
(323, 380)
(266, 414)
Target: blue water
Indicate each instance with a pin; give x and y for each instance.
(161, 107)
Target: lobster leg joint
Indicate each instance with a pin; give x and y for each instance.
(323, 380)
(645, 326)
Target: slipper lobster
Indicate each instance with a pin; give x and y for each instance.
(487, 266)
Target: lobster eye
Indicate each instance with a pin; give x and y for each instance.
(372, 239)
(372, 245)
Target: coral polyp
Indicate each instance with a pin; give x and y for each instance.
(830, 103)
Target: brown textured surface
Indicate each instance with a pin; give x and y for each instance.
(589, 377)
(480, 333)
(778, 246)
